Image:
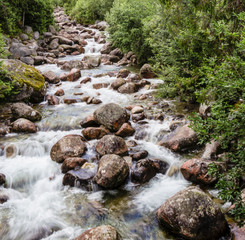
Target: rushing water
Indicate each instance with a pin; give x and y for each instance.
(40, 207)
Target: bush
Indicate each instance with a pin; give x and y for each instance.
(126, 25)
(35, 13)
(88, 11)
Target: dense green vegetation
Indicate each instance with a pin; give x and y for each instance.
(196, 46)
(14, 14)
(86, 11)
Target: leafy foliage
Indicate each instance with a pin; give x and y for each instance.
(87, 11)
(126, 25)
(16, 13)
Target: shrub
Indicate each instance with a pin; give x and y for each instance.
(88, 11)
(126, 25)
(35, 13)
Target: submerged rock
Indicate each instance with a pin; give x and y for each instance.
(193, 215)
(112, 171)
(111, 144)
(184, 138)
(68, 146)
(111, 115)
(104, 232)
(21, 110)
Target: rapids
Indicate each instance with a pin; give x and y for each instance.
(40, 207)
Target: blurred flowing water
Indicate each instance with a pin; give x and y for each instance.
(40, 207)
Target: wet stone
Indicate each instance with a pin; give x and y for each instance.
(72, 164)
(82, 178)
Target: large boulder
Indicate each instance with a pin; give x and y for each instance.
(21, 110)
(92, 61)
(68, 146)
(128, 88)
(147, 72)
(196, 170)
(193, 215)
(104, 232)
(27, 82)
(111, 144)
(144, 171)
(23, 125)
(184, 138)
(112, 171)
(111, 115)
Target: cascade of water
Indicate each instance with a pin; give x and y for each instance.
(39, 207)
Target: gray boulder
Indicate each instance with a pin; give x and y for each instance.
(111, 144)
(128, 88)
(68, 146)
(192, 214)
(21, 110)
(111, 115)
(112, 171)
(184, 138)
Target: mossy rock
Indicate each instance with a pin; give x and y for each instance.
(24, 82)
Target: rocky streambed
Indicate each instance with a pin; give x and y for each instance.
(100, 156)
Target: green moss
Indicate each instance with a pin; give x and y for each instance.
(15, 75)
(23, 73)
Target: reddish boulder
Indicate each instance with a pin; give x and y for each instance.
(196, 170)
(59, 92)
(125, 130)
(94, 132)
(89, 121)
(72, 164)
